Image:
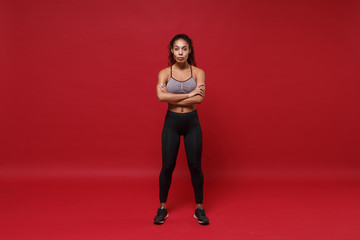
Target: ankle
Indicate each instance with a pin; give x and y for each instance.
(198, 206)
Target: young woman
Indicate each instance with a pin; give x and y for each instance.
(182, 86)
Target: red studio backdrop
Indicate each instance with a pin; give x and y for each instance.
(78, 86)
(81, 125)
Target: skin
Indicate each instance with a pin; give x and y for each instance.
(181, 103)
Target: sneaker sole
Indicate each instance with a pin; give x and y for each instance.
(161, 222)
(201, 222)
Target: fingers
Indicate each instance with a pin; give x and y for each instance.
(163, 88)
(201, 87)
(201, 92)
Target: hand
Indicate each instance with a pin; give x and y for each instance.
(199, 90)
(163, 88)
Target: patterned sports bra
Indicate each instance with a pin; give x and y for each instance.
(176, 86)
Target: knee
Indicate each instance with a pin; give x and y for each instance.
(195, 168)
(168, 169)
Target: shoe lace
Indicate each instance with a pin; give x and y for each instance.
(201, 212)
(161, 212)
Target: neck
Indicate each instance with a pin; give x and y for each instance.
(183, 65)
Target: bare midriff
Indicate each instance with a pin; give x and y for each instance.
(181, 109)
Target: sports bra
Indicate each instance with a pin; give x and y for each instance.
(176, 86)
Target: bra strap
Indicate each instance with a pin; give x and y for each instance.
(171, 71)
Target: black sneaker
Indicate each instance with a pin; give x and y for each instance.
(161, 215)
(200, 215)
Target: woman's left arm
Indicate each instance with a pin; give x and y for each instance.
(189, 101)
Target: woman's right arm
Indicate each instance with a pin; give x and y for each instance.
(165, 96)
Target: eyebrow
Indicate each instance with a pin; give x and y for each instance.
(178, 46)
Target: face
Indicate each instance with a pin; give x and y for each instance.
(181, 50)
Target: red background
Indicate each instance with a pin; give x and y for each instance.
(281, 85)
(78, 99)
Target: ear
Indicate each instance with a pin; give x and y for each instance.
(172, 51)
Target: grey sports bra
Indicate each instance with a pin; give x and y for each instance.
(176, 86)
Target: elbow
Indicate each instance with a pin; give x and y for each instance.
(160, 99)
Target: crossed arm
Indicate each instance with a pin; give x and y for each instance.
(194, 97)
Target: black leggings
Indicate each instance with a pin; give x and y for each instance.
(188, 125)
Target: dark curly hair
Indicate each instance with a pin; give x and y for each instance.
(191, 58)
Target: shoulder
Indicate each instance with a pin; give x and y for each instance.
(199, 74)
(164, 72)
(164, 75)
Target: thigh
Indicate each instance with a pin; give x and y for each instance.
(193, 142)
(170, 142)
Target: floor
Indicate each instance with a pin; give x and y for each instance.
(110, 207)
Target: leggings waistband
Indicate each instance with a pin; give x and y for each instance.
(175, 114)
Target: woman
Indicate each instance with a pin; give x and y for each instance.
(181, 92)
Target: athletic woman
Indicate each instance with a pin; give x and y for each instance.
(182, 86)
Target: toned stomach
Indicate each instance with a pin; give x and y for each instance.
(181, 109)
